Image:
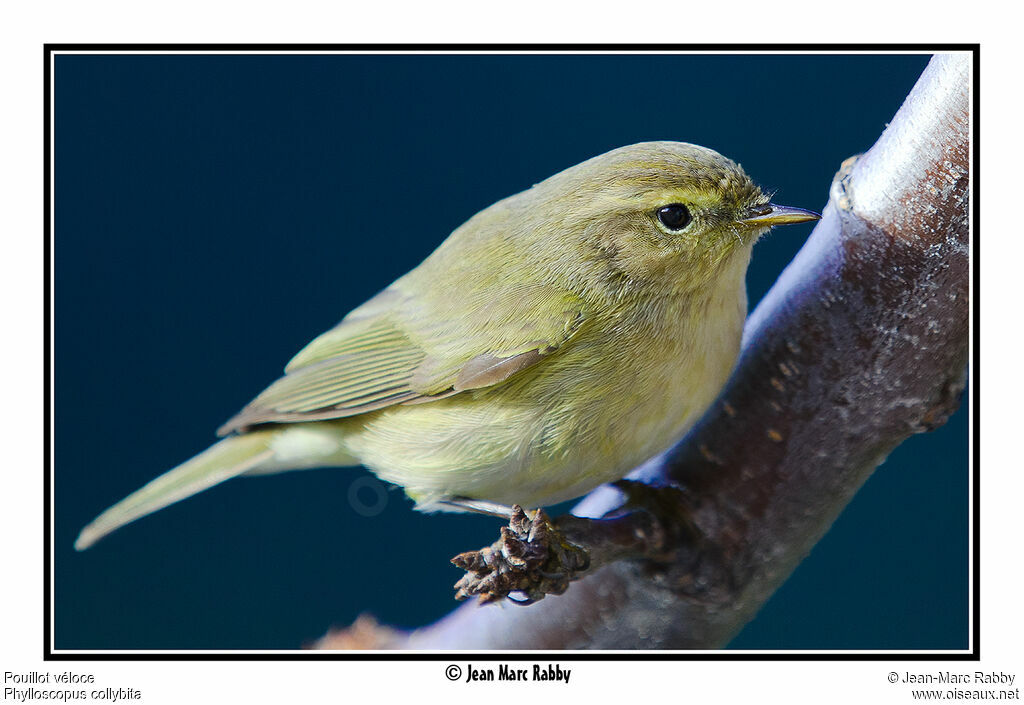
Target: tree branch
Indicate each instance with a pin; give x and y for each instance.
(862, 342)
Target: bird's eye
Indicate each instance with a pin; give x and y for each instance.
(674, 216)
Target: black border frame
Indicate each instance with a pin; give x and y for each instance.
(304, 655)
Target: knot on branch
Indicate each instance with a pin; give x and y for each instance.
(531, 557)
(538, 557)
(365, 633)
(839, 192)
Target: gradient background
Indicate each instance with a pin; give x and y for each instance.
(214, 213)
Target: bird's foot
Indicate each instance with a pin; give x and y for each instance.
(532, 558)
(670, 506)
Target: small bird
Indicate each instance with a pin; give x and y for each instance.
(553, 342)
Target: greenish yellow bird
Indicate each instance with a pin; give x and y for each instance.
(552, 343)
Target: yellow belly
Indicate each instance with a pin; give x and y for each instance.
(585, 417)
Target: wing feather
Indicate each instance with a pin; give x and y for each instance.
(388, 352)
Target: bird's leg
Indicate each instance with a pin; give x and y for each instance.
(479, 506)
(532, 557)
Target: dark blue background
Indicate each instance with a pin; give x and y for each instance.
(214, 213)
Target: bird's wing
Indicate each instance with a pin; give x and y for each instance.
(399, 348)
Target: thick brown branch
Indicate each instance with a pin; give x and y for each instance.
(862, 342)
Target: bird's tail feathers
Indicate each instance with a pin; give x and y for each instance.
(256, 452)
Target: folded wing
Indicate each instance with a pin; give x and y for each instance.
(400, 349)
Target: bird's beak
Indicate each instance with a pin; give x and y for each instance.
(770, 214)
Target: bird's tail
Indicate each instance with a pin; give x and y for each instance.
(256, 452)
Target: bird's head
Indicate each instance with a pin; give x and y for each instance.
(666, 212)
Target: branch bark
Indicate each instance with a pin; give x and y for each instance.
(862, 342)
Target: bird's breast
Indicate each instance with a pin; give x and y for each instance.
(636, 389)
(622, 391)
